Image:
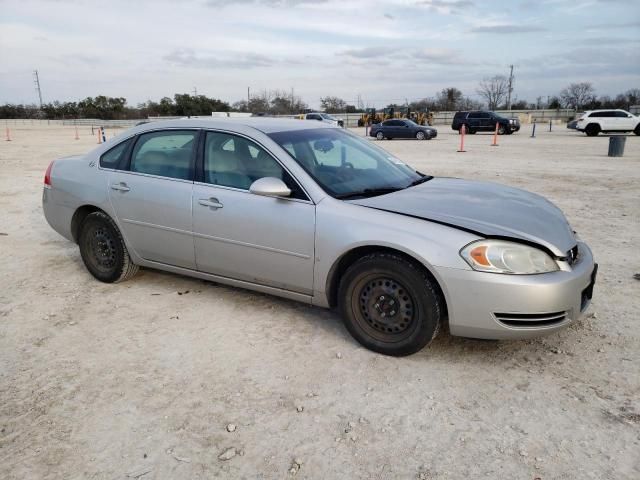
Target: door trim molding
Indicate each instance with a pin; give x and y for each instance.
(251, 245)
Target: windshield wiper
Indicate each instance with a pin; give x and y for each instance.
(368, 192)
(423, 179)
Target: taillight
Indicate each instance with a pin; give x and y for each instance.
(47, 176)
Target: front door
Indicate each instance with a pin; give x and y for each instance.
(152, 198)
(239, 235)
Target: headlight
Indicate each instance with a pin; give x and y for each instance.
(498, 256)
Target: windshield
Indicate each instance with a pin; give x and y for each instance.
(326, 116)
(346, 165)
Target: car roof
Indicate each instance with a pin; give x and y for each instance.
(264, 124)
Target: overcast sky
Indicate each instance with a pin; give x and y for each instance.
(385, 51)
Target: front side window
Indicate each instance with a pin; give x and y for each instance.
(113, 157)
(621, 114)
(234, 161)
(166, 153)
(345, 165)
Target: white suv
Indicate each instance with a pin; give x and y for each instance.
(595, 121)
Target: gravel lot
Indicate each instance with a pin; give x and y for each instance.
(143, 379)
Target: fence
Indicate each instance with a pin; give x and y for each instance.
(350, 119)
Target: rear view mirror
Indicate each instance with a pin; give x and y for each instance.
(270, 187)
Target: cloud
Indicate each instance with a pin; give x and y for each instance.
(389, 16)
(435, 56)
(508, 29)
(447, 3)
(270, 3)
(632, 24)
(367, 52)
(186, 57)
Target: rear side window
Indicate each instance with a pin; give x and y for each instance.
(167, 153)
(112, 158)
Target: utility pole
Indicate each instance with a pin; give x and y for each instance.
(195, 92)
(248, 96)
(36, 81)
(510, 88)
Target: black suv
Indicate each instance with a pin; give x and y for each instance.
(481, 121)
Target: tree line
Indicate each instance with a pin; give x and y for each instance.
(493, 91)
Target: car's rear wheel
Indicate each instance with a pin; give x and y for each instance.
(389, 304)
(420, 135)
(103, 250)
(592, 130)
(380, 136)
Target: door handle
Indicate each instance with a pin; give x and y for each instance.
(210, 202)
(122, 187)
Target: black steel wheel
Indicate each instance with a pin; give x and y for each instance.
(389, 304)
(103, 250)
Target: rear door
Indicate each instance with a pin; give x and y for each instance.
(624, 120)
(239, 235)
(152, 196)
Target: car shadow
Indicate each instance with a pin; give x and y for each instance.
(445, 346)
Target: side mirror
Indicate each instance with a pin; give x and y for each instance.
(270, 187)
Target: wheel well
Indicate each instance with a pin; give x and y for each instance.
(79, 216)
(352, 256)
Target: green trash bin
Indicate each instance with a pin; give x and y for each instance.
(616, 145)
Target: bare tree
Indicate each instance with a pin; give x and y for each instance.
(333, 104)
(449, 99)
(577, 94)
(494, 90)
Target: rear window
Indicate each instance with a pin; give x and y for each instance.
(111, 159)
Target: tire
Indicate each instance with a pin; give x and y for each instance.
(103, 250)
(380, 136)
(637, 129)
(592, 130)
(368, 291)
(501, 130)
(420, 135)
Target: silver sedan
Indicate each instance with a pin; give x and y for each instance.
(317, 214)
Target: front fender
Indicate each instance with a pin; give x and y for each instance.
(342, 227)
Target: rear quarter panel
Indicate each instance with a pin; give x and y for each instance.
(75, 182)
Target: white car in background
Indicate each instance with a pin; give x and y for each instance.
(324, 117)
(595, 121)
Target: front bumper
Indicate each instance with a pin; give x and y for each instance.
(497, 306)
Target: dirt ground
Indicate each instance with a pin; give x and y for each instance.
(142, 379)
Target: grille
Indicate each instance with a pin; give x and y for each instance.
(524, 320)
(572, 255)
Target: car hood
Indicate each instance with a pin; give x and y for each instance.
(488, 209)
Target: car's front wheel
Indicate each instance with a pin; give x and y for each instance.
(389, 304)
(501, 130)
(380, 136)
(103, 250)
(592, 130)
(637, 129)
(420, 135)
